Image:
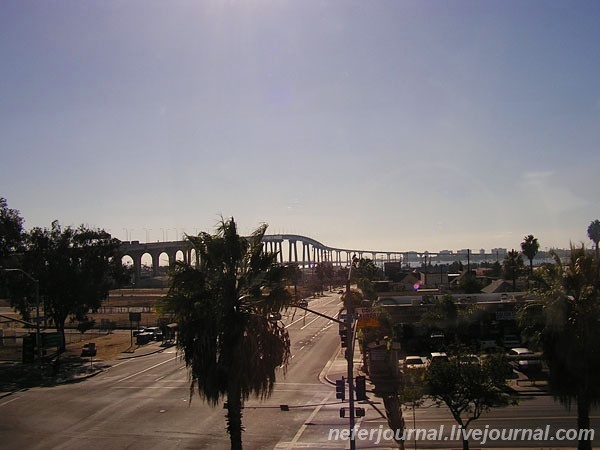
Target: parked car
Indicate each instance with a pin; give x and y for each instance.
(414, 362)
(436, 358)
(525, 360)
(155, 332)
(138, 331)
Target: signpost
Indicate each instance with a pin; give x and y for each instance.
(134, 317)
(367, 318)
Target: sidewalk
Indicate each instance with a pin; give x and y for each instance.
(71, 368)
(338, 367)
(150, 348)
(523, 385)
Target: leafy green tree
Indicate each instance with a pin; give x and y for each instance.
(413, 391)
(530, 247)
(469, 389)
(442, 315)
(323, 271)
(566, 318)
(231, 347)
(470, 284)
(513, 264)
(11, 230)
(75, 269)
(364, 272)
(293, 274)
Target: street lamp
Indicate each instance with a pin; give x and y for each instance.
(38, 341)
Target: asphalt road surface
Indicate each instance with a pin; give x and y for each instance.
(144, 403)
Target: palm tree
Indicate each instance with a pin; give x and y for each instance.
(568, 311)
(231, 344)
(530, 247)
(593, 232)
(513, 262)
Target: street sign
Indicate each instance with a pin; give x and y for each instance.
(367, 318)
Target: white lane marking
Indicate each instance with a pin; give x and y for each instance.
(310, 418)
(314, 320)
(10, 401)
(296, 321)
(146, 370)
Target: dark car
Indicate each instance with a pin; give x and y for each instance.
(155, 332)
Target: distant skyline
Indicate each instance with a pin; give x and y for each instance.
(384, 125)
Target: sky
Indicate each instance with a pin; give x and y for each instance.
(376, 125)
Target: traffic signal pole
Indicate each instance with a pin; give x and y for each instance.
(348, 323)
(350, 359)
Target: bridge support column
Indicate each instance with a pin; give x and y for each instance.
(155, 263)
(305, 254)
(137, 268)
(292, 250)
(172, 257)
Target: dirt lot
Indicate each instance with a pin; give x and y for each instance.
(108, 346)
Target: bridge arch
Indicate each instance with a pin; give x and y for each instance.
(291, 248)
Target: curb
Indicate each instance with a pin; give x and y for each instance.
(324, 375)
(160, 349)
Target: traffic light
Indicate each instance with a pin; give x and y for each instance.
(358, 412)
(360, 387)
(344, 340)
(340, 389)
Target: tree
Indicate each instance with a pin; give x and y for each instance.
(513, 263)
(222, 307)
(364, 272)
(566, 318)
(442, 315)
(469, 284)
(11, 230)
(413, 391)
(293, 274)
(74, 268)
(530, 247)
(593, 233)
(324, 271)
(469, 389)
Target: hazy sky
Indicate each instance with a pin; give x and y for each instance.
(386, 125)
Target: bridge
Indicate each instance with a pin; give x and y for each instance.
(285, 245)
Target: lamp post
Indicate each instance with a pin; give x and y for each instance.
(38, 340)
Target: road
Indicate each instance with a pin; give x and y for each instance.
(144, 403)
